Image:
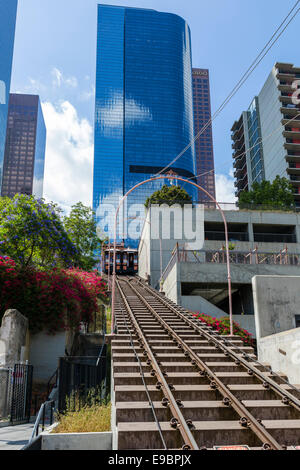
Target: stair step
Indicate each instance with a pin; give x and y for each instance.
(145, 435)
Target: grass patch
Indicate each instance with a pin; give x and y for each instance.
(108, 321)
(94, 418)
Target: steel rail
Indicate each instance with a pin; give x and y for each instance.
(144, 382)
(295, 402)
(183, 427)
(247, 419)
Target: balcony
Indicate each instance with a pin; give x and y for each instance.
(237, 125)
(286, 99)
(240, 172)
(286, 87)
(293, 157)
(286, 76)
(239, 143)
(286, 121)
(237, 153)
(295, 180)
(232, 236)
(238, 132)
(292, 146)
(294, 172)
(292, 134)
(239, 163)
(290, 111)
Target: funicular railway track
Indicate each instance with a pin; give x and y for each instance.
(178, 385)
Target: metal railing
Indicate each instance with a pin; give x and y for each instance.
(44, 418)
(6, 380)
(254, 257)
(275, 238)
(82, 380)
(232, 236)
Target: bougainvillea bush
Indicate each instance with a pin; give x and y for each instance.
(53, 300)
(222, 326)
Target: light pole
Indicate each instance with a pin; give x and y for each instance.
(178, 178)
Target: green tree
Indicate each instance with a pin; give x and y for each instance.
(32, 233)
(82, 229)
(169, 195)
(276, 195)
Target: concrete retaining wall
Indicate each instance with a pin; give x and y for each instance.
(45, 351)
(282, 352)
(276, 303)
(196, 303)
(77, 441)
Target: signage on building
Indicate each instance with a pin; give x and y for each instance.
(201, 73)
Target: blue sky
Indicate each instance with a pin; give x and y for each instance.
(55, 51)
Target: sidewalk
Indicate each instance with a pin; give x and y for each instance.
(15, 437)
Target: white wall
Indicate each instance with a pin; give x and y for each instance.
(276, 303)
(282, 352)
(45, 351)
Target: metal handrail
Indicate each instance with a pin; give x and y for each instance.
(41, 418)
(54, 375)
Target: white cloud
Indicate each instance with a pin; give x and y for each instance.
(35, 87)
(87, 95)
(59, 79)
(110, 116)
(69, 156)
(225, 188)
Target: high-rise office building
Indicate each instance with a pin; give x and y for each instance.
(24, 158)
(204, 144)
(8, 13)
(144, 103)
(266, 138)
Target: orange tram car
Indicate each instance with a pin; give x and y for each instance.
(126, 260)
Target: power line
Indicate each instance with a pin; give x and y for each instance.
(240, 83)
(260, 141)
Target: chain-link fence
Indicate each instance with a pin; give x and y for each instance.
(6, 386)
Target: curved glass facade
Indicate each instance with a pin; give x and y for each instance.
(256, 152)
(8, 12)
(144, 104)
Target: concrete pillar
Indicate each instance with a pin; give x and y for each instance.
(13, 333)
(251, 233)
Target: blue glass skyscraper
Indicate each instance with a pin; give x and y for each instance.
(8, 13)
(144, 103)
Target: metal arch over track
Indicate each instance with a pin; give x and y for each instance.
(148, 312)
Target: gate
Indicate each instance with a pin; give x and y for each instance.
(6, 374)
(82, 380)
(21, 393)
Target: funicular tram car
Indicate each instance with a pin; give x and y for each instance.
(126, 260)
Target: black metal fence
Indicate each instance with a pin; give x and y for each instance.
(21, 393)
(6, 380)
(98, 322)
(83, 381)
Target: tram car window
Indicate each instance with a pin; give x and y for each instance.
(126, 261)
